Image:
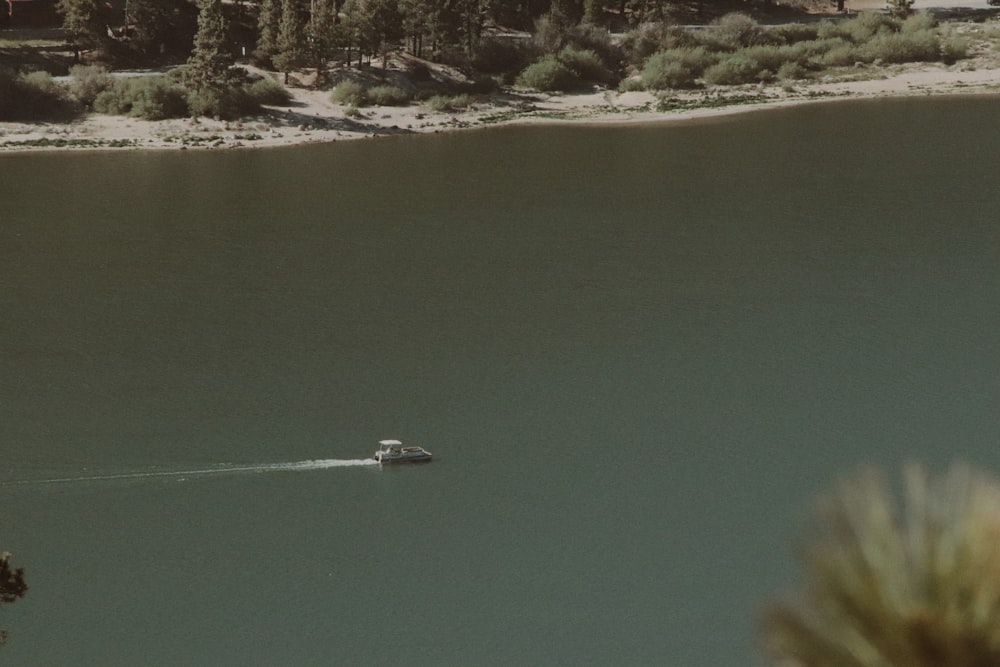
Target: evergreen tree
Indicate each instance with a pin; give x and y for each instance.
(899, 8)
(268, 23)
(353, 30)
(158, 28)
(210, 64)
(382, 24)
(85, 22)
(473, 13)
(321, 34)
(291, 52)
(417, 20)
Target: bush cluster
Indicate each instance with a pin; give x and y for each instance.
(355, 94)
(737, 51)
(445, 103)
(676, 68)
(148, 97)
(268, 91)
(159, 97)
(650, 38)
(566, 70)
(87, 82)
(388, 96)
(349, 93)
(32, 96)
(548, 73)
(562, 58)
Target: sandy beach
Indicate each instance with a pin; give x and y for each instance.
(311, 116)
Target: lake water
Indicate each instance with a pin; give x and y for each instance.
(637, 354)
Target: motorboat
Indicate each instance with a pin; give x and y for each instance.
(393, 451)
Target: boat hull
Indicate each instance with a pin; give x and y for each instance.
(422, 458)
(393, 451)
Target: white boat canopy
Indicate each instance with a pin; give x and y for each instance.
(390, 443)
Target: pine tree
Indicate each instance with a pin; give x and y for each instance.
(84, 21)
(383, 24)
(321, 33)
(160, 27)
(291, 52)
(417, 21)
(210, 64)
(268, 23)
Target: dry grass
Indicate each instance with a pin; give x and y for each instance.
(910, 583)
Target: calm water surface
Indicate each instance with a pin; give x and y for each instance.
(637, 353)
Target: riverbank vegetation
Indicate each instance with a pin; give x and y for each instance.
(738, 50)
(398, 52)
(12, 586)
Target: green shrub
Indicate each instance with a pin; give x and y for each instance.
(388, 96)
(444, 103)
(816, 49)
(954, 47)
(268, 91)
(733, 31)
(662, 72)
(350, 93)
(917, 22)
(114, 100)
(898, 47)
(791, 71)
(843, 55)
(550, 34)
(156, 98)
(793, 33)
(147, 97)
(732, 70)
(773, 57)
(229, 102)
(859, 29)
(31, 96)
(676, 68)
(548, 73)
(630, 85)
(87, 82)
(828, 29)
(648, 39)
(585, 64)
(587, 37)
(41, 85)
(867, 25)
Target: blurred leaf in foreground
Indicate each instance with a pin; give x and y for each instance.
(908, 579)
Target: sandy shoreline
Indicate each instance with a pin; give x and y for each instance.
(312, 118)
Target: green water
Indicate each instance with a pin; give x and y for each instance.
(636, 353)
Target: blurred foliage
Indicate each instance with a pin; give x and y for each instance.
(908, 579)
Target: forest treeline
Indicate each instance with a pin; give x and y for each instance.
(299, 31)
(567, 44)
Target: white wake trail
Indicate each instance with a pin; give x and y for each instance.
(221, 469)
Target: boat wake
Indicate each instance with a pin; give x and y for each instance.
(220, 469)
